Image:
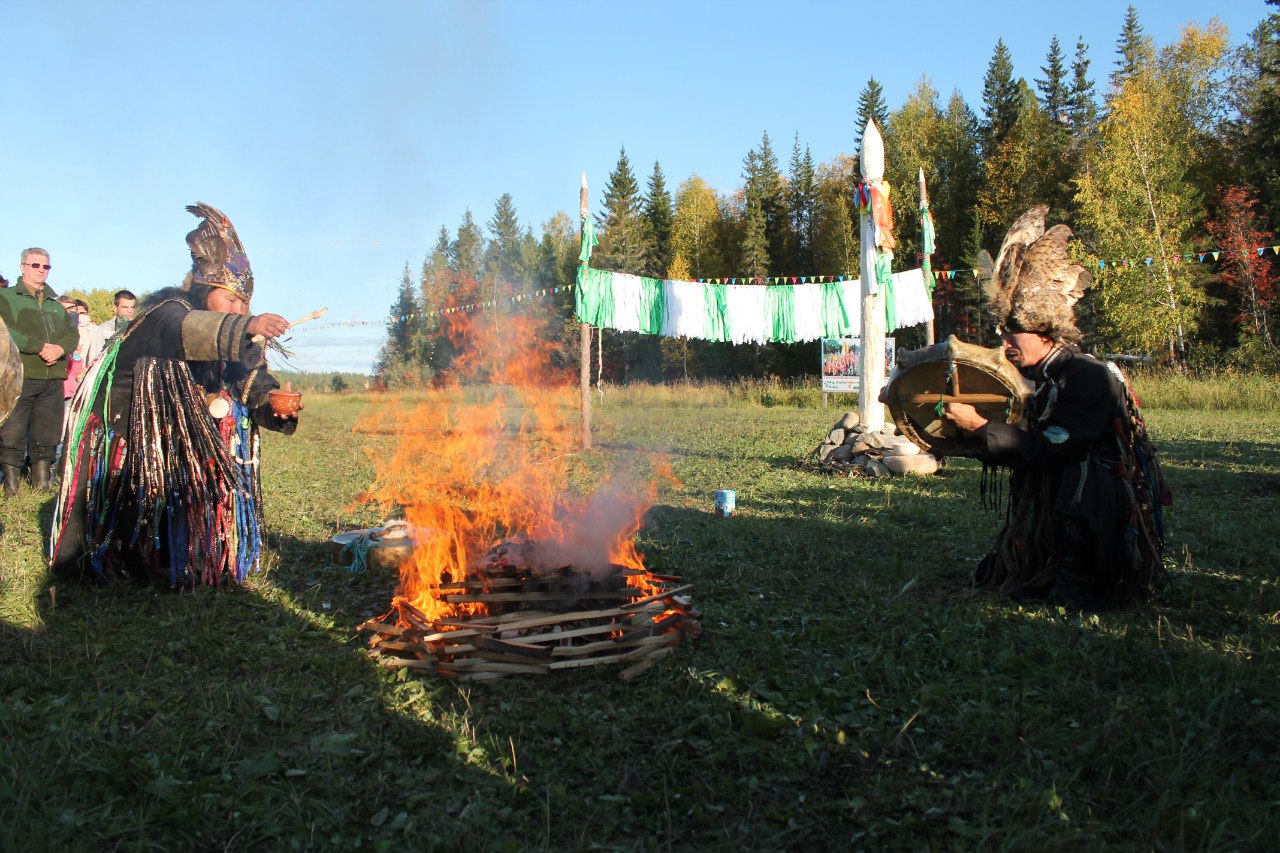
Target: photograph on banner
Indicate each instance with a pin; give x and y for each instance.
(840, 362)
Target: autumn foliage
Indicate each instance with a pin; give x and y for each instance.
(1246, 269)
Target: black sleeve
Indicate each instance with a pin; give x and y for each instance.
(1083, 409)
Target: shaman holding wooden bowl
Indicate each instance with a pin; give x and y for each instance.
(285, 403)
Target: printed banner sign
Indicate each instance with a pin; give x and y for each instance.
(840, 366)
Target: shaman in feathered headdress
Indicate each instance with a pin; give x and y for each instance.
(217, 257)
(1034, 286)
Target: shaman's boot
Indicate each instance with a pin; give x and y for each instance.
(12, 477)
(41, 475)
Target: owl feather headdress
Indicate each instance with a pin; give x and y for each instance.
(1034, 286)
(217, 257)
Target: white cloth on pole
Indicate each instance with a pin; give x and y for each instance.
(686, 309)
(746, 306)
(626, 302)
(808, 311)
(910, 299)
(851, 294)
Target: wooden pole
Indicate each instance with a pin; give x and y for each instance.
(584, 337)
(870, 409)
(926, 260)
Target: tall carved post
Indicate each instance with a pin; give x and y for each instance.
(871, 164)
(584, 335)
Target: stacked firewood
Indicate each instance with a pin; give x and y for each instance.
(539, 621)
(852, 450)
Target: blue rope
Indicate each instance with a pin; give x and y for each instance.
(358, 548)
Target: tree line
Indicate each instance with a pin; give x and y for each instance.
(1175, 154)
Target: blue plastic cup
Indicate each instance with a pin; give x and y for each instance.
(726, 502)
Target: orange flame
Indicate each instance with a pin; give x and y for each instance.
(485, 456)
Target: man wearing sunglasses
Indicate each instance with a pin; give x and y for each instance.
(44, 334)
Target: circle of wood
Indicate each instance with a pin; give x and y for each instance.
(10, 373)
(952, 372)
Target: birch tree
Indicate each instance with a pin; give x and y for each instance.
(1139, 198)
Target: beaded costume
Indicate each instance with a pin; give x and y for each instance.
(153, 484)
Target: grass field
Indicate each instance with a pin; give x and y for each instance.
(849, 692)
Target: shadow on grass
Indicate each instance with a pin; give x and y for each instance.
(836, 699)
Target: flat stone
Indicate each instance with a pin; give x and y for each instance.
(849, 421)
(919, 465)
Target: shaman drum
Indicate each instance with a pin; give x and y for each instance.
(952, 372)
(10, 373)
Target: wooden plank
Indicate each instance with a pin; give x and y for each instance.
(666, 594)
(607, 645)
(470, 665)
(405, 663)
(381, 627)
(547, 595)
(511, 648)
(575, 663)
(554, 636)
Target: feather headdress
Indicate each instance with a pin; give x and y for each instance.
(217, 257)
(1034, 286)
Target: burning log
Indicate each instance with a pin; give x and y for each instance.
(509, 639)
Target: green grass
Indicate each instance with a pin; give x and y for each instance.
(850, 692)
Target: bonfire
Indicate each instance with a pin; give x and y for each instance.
(511, 572)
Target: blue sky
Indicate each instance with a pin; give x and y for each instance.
(340, 135)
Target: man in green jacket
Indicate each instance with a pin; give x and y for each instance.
(45, 335)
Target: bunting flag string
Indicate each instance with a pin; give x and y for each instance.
(404, 318)
(944, 274)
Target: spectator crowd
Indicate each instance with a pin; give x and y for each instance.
(56, 343)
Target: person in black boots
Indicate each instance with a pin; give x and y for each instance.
(45, 335)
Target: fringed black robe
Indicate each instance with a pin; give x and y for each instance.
(152, 484)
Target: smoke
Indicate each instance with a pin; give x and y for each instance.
(592, 531)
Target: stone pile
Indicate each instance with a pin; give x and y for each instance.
(853, 450)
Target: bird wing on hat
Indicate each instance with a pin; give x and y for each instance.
(217, 255)
(1009, 261)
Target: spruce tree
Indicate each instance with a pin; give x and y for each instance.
(1133, 48)
(1082, 106)
(622, 239)
(1054, 93)
(802, 191)
(658, 215)
(466, 254)
(1258, 98)
(1000, 99)
(754, 251)
(871, 105)
(395, 362)
(762, 183)
(502, 258)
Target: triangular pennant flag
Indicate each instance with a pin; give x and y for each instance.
(1215, 255)
(802, 281)
(1149, 261)
(1200, 256)
(1177, 259)
(1261, 249)
(1102, 265)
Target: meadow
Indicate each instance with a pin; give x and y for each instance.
(850, 692)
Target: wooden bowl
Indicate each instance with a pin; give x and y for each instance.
(285, 404)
